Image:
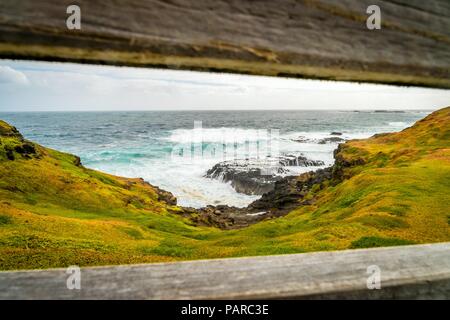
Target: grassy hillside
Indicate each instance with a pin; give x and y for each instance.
(393, 189)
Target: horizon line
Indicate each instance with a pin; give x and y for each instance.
(206, 110)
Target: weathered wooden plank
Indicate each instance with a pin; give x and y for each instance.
(323, 39)
(419, 271)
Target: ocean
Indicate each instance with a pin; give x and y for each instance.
(174, 149)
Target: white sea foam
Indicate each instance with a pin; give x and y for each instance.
(219, 135)
(185, 180)
(184, 176)
(398, 124)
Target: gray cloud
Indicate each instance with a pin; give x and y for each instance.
(10, 76)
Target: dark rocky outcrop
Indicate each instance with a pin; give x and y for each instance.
(290, 191)
(162, 195)
(21, 149)
(256, 177)
(341, 162)
(14, 146)
(330, 140)
(226, 217)
(299, 161)
(165, 196)
(7, 130)
(77, 161)
(243, 178)
(27, 148)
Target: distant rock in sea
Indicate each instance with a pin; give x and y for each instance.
(334, 139)
(330, 140)
(389, 111)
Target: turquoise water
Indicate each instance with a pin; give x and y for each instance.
(170, 150)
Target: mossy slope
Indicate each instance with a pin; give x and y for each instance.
(395, 190)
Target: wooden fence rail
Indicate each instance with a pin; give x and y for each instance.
(418, 271)
(324, 39)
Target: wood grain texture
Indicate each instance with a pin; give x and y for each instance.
(323, 39)
(419, 271)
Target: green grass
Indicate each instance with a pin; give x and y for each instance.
(5, 220)
(383, 222)
(373, 242)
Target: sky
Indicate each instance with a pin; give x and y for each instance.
(44, 86)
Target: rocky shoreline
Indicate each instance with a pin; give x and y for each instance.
(287, 193)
